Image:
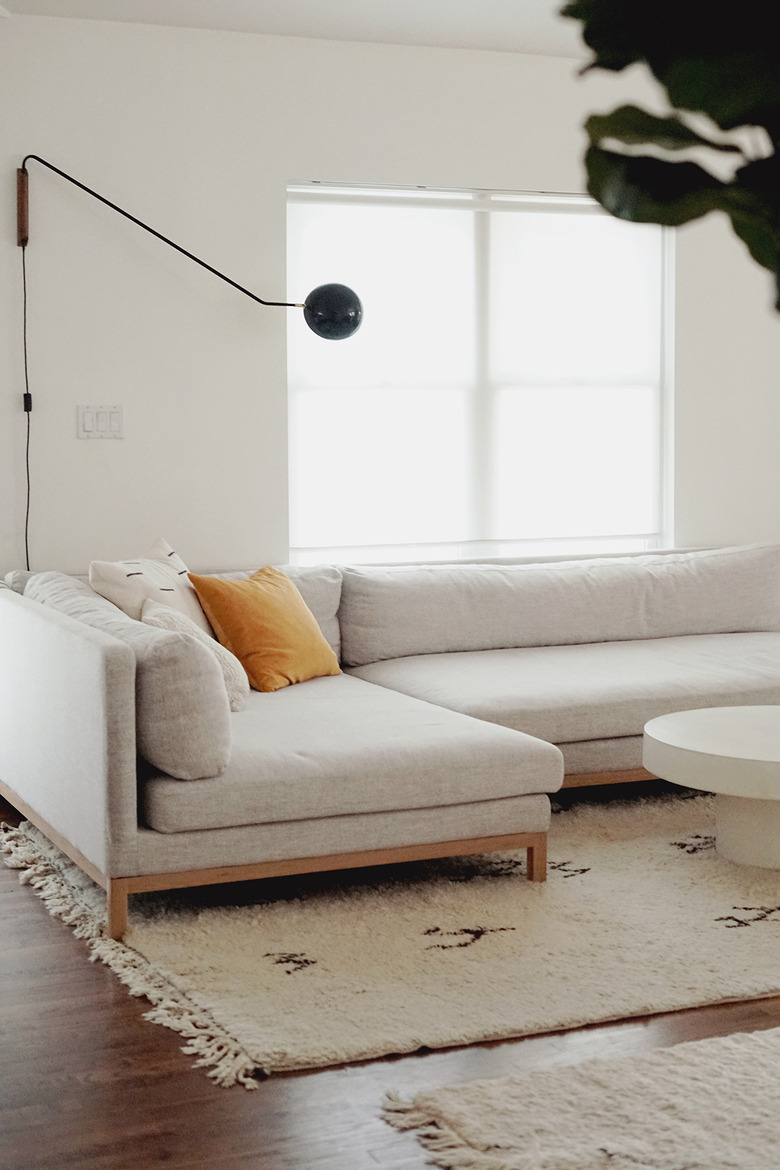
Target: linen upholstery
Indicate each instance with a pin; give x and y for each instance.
(91, 795)
(67, 726)
(336, 746)
(623, 753)
(182, 710)
(16, 579)
(266, 623)
(400, 611)
(317, 837)
(591, 691)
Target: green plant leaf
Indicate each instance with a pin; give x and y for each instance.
(615, 42)
(633, 126)
(761, 242)
(649, 190)
(708, 57)
(761, 179)
(752, 202)
(736, 88)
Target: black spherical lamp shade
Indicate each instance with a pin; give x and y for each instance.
(333, 311)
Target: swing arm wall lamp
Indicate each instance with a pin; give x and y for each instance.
(332, 311)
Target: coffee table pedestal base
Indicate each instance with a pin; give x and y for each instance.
(747, 830)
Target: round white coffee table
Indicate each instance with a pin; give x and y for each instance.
(735, 753)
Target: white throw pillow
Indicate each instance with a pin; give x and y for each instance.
(164, 617)
(160, 575)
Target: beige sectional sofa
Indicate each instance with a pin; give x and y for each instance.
(464, 690)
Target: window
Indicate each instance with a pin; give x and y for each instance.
(504, 394)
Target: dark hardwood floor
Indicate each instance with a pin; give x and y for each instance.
(87, 1084)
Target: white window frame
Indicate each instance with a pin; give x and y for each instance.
(485, 389)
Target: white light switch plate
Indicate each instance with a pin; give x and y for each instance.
(100, 422)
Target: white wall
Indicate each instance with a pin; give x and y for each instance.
(728, 391)
(199, 133)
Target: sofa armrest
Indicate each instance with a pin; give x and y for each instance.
(67, 727)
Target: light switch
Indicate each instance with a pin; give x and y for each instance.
(100, 422)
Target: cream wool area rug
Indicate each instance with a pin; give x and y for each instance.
(707, 1105)
(639, 915)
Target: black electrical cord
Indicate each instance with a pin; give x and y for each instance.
(27, 408)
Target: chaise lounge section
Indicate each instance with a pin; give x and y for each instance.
(330, 773)
(581, 653)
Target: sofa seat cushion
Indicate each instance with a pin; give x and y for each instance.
(591, 691)
(338, 745)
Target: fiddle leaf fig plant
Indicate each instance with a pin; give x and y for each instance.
(720, 72)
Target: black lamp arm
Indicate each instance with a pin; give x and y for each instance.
(23, 226)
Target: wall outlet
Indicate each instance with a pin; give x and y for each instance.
(100, 422)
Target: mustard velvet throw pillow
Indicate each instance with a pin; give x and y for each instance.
(265, 622)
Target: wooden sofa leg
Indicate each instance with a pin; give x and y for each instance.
(117, 895)
(536, 859)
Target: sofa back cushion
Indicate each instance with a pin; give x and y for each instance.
(164, 617)
(182, 710)
(16, 579)
(399, 611)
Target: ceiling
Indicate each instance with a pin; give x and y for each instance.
(518, 26)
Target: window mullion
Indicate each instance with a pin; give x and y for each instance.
(481, 403)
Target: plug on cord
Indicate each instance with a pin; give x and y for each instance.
(27, 402)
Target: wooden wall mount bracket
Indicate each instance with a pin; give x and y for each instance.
(22, 208)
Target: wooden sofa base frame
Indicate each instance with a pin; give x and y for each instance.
(118, 889)
(591, 779)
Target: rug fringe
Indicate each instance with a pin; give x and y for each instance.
(449, 1150)
(225, 1061)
